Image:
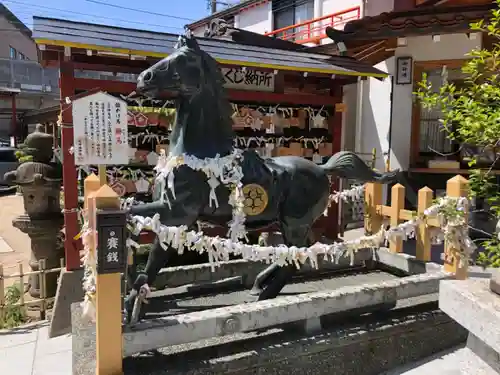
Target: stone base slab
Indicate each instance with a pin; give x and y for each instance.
(401, 263)
(223, 322)
(401, 336)
(220, 322)
(172, 277)
(473, 305)
(69, 291)
(190, 327)
(363, 345)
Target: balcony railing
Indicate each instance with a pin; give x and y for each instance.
(28, 76)
(313, 31)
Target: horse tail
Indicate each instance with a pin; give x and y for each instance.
(347, 164)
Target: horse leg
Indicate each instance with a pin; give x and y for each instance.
(262, 278)
(264, 275)
(157, 259)
(274, 278)
(132, 270)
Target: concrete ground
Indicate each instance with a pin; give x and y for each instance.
(29, 351)
(15, 246)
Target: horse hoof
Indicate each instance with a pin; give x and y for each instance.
(255, 291)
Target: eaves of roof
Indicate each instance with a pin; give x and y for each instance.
(86, 36)
(419, 21)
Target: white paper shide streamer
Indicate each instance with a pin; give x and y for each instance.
(454, 230)
(226, 170)
(89, 273)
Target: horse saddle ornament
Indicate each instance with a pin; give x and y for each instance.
(256, 199)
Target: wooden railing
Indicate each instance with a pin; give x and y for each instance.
(376, 212)
(314, 30)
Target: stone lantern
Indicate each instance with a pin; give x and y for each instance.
(40, 183)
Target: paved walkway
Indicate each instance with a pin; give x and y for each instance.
(15, 246)
(26, 350)
(29, 351)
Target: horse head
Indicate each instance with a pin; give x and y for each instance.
(186, 72)
(203, 125)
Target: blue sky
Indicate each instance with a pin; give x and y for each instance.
(84, 10)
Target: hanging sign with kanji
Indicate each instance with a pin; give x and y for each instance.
(111, 241)
(100, 134)
(248, 79)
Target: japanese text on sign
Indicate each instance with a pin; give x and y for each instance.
(404, 70)
(111, 250)
(100, 130)
(111, 246)
(248, 79)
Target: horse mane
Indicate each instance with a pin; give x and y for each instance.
(215, 112)
(214, 81)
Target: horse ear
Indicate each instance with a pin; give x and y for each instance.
(191, 41)
(181, 42)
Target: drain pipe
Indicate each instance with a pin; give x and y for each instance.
(358, 146)
(318, 8)
(359, 115)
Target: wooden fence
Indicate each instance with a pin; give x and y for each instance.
(352, 212)
(376, 212)
(18, 279)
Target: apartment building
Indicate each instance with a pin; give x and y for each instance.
(301, 21)
(24, 84)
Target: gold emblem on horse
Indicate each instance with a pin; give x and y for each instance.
(256, 199)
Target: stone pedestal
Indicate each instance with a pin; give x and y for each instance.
(39, 181)
(475, 307)
(43, 235)
(495, 282)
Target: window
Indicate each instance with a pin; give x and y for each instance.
(428, 136)
(12, 53)
(291, 12)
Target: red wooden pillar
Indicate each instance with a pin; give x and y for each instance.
(67, 89)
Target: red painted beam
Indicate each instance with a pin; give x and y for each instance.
(271, 97)
(109, 86)
(71, 247)
(234, 95)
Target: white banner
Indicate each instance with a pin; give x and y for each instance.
(100, 134)
(248, 79)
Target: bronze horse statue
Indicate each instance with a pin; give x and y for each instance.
(297, 189)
